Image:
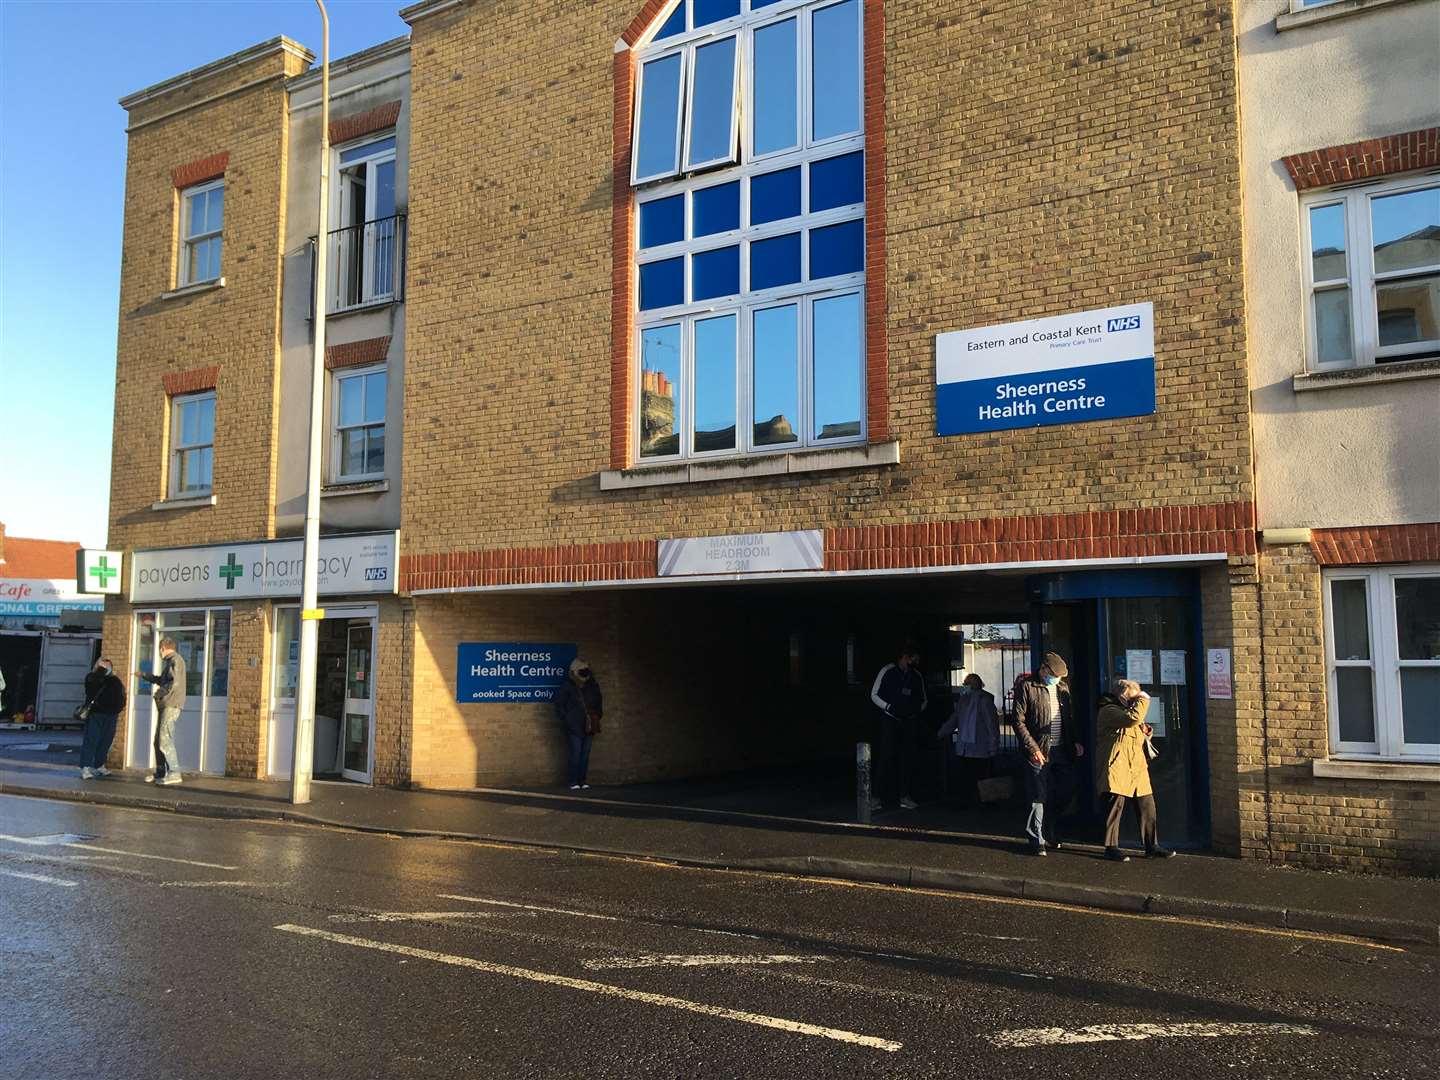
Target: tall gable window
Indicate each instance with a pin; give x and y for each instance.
(748, 176)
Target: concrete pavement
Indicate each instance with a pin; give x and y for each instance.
(1389, 909)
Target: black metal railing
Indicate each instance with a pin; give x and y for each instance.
(365, 264)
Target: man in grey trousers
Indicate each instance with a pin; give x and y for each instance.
(169, 700)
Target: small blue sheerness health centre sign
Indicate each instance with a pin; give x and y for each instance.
(511, 670)
(1092, 365)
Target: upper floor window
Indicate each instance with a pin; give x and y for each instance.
(1373, 273)
(359, 443)
(192, 444)
(1382, 643)
(750, 245)
(202, 219)
(366, 244)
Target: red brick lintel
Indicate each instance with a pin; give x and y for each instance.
(355, 353)
(1373, 544)
(197, 172)
(380, 118)
(1384, 156)
(192, 381)
(1144, 531)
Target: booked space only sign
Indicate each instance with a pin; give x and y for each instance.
(511, 670)
(1093, 365)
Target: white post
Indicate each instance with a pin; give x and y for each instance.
(302, 759)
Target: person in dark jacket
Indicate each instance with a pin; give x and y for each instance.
(579, 705)
(105, 694)
(899, 694)
(169, 697)
(1050, 743)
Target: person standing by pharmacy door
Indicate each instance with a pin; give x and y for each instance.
(169, 700)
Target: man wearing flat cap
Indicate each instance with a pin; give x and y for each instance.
(1049, 740)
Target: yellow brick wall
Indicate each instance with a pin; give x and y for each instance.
(1042, 159)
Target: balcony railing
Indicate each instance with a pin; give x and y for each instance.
(365, 265)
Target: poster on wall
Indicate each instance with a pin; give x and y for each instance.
(511, 671)
(1219, 683)
(1067, 369)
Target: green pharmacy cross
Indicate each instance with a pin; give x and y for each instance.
(231, 570)
(104, 572)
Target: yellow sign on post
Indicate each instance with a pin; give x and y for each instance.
(313, 613)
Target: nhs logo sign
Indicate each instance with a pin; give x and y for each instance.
(1067, 369)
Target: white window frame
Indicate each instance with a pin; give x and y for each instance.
(1365, 347)
(189, 239)
(337, 430)
(688, 71)
(803, 293)
(1384, 663)
(178, 448)
(370, 238)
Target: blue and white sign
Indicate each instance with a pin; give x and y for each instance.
(44, 598)
(1092, 365)
(511, 671)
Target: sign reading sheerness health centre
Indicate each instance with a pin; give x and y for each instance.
(1091, 365)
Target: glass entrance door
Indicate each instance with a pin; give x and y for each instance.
(1150, 640)
(359, 701)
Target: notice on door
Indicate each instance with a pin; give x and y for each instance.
(1172, 667)
(1140, 666)
(1219, 683)
(511, 671)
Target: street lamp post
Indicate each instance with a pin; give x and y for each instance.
(302, 759)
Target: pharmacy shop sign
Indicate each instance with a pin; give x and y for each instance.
(499, 671)
(358, 564)
(1093, 365)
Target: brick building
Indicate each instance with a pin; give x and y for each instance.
(732, 342)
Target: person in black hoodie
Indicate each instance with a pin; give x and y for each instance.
(105, 694)
(578, 705)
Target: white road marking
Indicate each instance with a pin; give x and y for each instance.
(605, 989)
(39, 877)
(532, 907)
(1025, 1038)
(209, 884)
(47, 840)
(61, 842)
(675, 960)
(410, 916)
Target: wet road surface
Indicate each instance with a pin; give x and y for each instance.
(140, 944)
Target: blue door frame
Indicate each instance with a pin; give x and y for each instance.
(1096, 586)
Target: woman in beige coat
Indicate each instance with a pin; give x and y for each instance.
(1121, 731)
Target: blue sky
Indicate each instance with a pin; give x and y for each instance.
(62, 181)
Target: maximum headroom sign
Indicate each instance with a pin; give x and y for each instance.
(1092, 365)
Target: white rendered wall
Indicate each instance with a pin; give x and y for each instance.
(1358, 455)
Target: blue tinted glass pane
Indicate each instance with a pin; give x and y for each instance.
(776, 375)
(675, 24)
(712, 112)
(776, 88)
(658, 153)
(756, 5)
(715, 273)
(836, 372)
(837, 249)
(370, 149)
(662, 221)
(775, 196)
(717, 209)
(837, 181)
(660, 391)
(708, 11)
(662, 284)
(715, 383)
(836, 69)
(774, 262)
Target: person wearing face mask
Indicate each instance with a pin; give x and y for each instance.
(105, 694)
(1049, 741)
(578, 705)
(974, 731)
